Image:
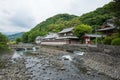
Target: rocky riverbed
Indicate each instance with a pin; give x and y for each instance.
(47, 64)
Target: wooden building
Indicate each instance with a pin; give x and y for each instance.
(108, 28)
(63, 37)
(67, 35)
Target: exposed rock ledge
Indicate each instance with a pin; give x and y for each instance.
(96, 58)
(103, 63)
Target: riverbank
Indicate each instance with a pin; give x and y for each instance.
(5, 57)
(10, 69)
(104, 64)
(58, 64)
(100, 59)
(48, 64)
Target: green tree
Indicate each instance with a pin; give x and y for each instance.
(3, 38)
(116, 41)
(81, 29)
(3, 42)
(25, 37)
(107, 40)
(18, 40)
(33, 35)
(73, 22)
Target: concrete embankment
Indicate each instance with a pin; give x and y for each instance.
(103, 58)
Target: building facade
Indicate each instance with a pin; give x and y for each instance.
(108, 28)
(63, 37)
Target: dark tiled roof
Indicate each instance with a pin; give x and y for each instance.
(66, 30)
(109, 27)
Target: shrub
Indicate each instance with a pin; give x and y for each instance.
(99, 41)
(3, 47)
(107, 40)
(115, 35)
(116, 41)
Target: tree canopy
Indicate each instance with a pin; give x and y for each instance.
(3, 38)
(3, 42)
(81, 29)
(18, 40)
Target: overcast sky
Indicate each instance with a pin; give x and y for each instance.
(22, 15)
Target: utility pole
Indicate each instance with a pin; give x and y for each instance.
(96, 35)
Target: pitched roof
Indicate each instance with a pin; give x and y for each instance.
(66, 30)
(111, 26)
(51, 35)
(39, 37)
(107, 25)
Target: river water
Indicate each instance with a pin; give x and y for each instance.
(43, 66)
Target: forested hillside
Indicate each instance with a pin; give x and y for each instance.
(97, 17)
(52, 24)
(60, 21)
(55, 23)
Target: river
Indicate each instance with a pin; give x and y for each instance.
(44, 65)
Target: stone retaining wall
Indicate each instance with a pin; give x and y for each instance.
(108, 70)
(110, 50)
(103, 63)
(69, 47)
(104, 49)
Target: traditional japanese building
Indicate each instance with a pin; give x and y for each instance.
(68, 36)
(108, 28)
(51, 36)
(63, 37)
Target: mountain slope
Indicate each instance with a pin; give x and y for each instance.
(14, 36)
(55, 20)
(97, 17)
(52, 24)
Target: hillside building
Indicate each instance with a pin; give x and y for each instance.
(108, 28)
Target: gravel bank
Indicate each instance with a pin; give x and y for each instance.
(48, 64)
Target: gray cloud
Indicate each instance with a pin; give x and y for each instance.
(6, 12)
(22, 19)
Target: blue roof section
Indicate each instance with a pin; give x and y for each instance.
(94, 35)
